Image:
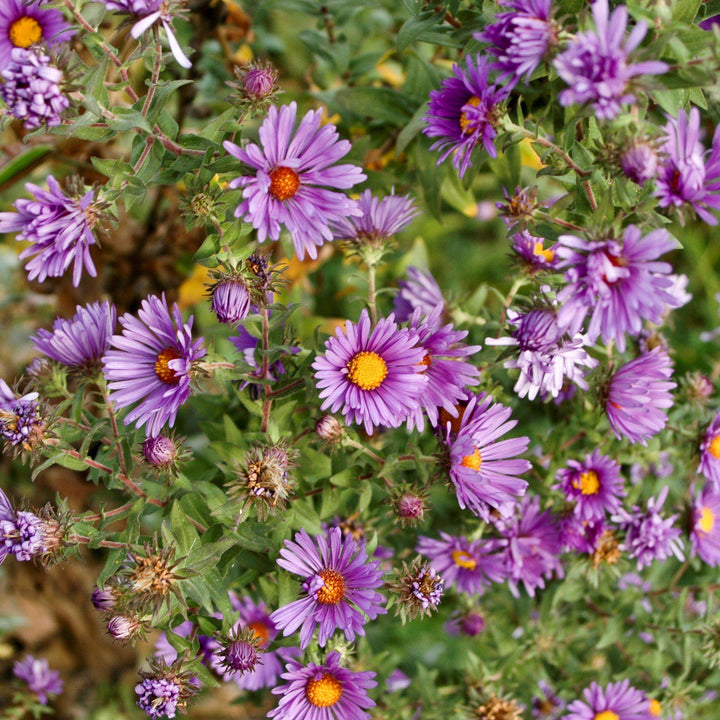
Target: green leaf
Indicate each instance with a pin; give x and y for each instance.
(25, 161)
(374, 103)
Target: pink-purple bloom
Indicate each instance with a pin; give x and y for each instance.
(705, 525)
(619, 284)
(24, 23)
(594, 485)
(379, 219)
(529, 547)
(59, 228)
(710, 453)
(465, 112)
(150, 364)
(339, 582)
(580, 536)
(483, 468)
(374, 374)
(689, 176)
(323, 692)
(40, 679)
(595, 64)
(293, 170)
(638, 396)
(81, 341)
(468, 565)
(619, 698)
(418, 290)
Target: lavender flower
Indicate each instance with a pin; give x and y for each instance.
(710, 453)
(447, 373)
(20, 419)
(287, 188)
(338, 587)
(151, 364)
(323, 692)
(483, 468)
(379, 219)
(158, 697)
(705, 527)
(581, 536)
(31, 89)
(374, 375)
(39, 677)
(470, 566)
(465, 112)
(649, 536)
(639, 394)
(616, 701)
(59, 229)
(532, 251)
(82, 341)
(520, 39)
(419, 290)
(24, 23)
(529, 547)
(639, 161)
(595, 65)
(620, 285)
(397, 680)
(689, 177)
(149, 12)
(594, 484)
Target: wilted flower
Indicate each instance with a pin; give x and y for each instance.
(548, 707)
(419, 589)
(41, 680)
(607, 549)
(498, 708)
(150, 578)
(21, 422)
(21, 533)
(165, 690)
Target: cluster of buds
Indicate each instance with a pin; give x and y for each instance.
(418, 588)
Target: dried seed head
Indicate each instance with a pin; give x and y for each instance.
(419, 588)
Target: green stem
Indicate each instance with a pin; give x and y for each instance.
(541, 140)
(371, 293)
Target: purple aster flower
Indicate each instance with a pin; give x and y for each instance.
(520, 39)
(533, 253)
(374, 374)
(638, 395)
(710, 453)
(380, 219)
(31, 89)
(469, 566)
(447, 373)
(595, 65)
(338, 587)
(530, 547)
(323, 692)
(152, 363)
(639, 161)
(24, 23)
(465, 112)
(82, 341)
(616, 701)
(419, 290)
(581, 536)
(483, 468)
(618, 284)
(150, 12)
(20, 419)
(649, 536)
(689, 176)
(291, 172)
(547, 360)
(39, 677)
(59, 228)
(705, 527)
(158, 697)
(595, 485)
(549, 706)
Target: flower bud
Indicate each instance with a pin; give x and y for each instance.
(230, 300)
(259, 81)
(639, 162)
(160, 451)
(103, 599)
(329, 429)
(410, 508)
(123, 628)
(471, 624)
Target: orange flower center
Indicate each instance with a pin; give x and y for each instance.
(714, 447)
(324, 692)
(607, 715)
(260, 631)
(463, 559)
(588, 484)
(546, 255)
(367, 370)
(333, 591)
(426, 361)
(473, 461)
(163, 369)
(464, 121)
(655, 708)
(707, 520)
(24, 32)
(284, 183)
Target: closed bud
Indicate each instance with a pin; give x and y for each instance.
(230, 300)
(124, 628)
(159, 451)
(103, 599)
(409, 507)
(259, 81)
(329, 430)
(639, 162)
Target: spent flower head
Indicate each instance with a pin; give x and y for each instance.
(418, 589)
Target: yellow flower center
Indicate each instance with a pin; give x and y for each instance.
(284, 183)
(546, 255)
(333, 591)
(588, 484)
(707, 520)
(607, 715)
(163, 369)
(24, 32)
(367, 370)
(655, 708)
(714, 447)
(464, 121)
(463, 559)
(324, 692)
(260, 631)
(473, 461)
